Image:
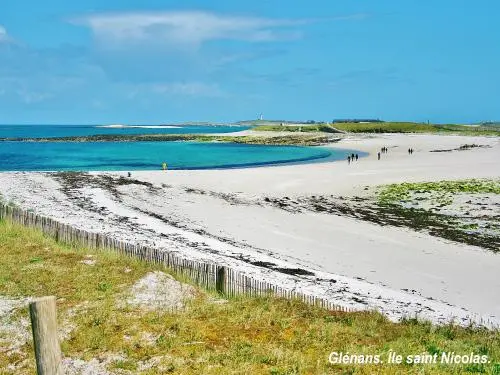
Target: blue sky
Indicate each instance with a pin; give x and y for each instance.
(151, 61)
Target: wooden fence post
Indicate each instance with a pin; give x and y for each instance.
(220, 280)
(44, 326)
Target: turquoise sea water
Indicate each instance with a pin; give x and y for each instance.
(129, 156)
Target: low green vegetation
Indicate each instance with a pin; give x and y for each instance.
(395, 193)
(295, 140)
(243, 335)
(463, 211)
(383, 127)
(306, 128)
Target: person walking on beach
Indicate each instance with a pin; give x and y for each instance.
(349, 159)
(356, 157)
(378, 155)
(164, 166)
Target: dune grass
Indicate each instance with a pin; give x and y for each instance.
(384, 127)
(242, 336)
(395, 193)
(307, 128)
(460, 210)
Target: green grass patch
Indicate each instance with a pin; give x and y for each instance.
(420, 207)
(383, 127)
(322, 128)
(245, 335)
(396, 193)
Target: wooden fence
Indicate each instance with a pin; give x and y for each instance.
(210, 276)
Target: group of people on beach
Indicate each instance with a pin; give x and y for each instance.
(352, 157)
(383, 150)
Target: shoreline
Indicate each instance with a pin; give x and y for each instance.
(277, 163)
(222, 215)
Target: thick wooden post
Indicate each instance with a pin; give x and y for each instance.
(220, 280)
(44, 326)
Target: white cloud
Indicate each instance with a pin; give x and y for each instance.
(3, 34)
(187, 27)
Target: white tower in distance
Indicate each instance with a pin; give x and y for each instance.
(261, 117)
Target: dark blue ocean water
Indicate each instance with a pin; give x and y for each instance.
(128, 156)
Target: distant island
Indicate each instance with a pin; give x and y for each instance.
(279, 132)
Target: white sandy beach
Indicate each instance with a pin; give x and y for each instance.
(217, 215)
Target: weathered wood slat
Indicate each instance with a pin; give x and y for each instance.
(211, 276)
